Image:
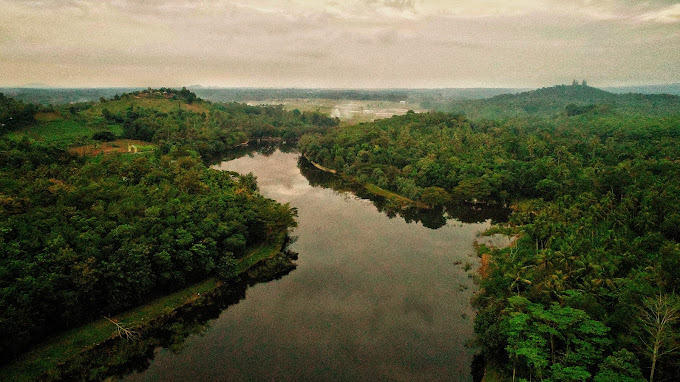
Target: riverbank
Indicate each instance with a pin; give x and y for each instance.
(395, 282)
(58, 350)
(490, 371)
(373, 189)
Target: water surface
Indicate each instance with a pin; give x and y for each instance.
(373, 298)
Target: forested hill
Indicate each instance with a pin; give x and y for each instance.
(165, 117)
(86, 236)
(566, 100)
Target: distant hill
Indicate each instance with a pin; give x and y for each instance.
(36, 86)
(567, 101)
(61, 96)
(673, 89)
(429, 97)
(443, 99)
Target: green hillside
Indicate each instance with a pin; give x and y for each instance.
(165, 117)
(563, 100)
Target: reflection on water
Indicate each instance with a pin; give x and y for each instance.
(118, 356)
(373, 297)
(431, 218)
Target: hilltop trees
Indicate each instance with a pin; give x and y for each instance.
(14, 114)
(208, 128)
(545, 103)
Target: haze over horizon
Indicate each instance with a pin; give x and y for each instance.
(331, 44)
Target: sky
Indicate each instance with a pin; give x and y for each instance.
(338, 43)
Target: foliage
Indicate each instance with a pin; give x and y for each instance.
(14, 114)
(84, 238)
(170, 118)
(621, 366)
(106, 136)
(595, 195)
(574, 100)
(557, 343)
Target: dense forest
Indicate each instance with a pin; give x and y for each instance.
(587, 291)
(85, 237)
(81, 239)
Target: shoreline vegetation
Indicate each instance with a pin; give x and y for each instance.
(403, 201)
(593, 181)
(485, 370)
(119, 228)
(62, 349)
(592, 176)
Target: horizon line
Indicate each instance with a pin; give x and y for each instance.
(198, 86)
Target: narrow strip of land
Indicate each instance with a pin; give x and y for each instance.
(373, 189)
(63, 346)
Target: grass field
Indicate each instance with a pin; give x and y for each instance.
(60, 131)
(49, 354)
(117, 146)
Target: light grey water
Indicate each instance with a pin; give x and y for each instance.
(373, 298)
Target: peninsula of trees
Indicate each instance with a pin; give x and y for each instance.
(83, 237)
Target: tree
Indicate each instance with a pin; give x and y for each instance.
(559, 342)
(622, 366)
(107, 114)
(435, 196)
(106, 136)
(659, 337)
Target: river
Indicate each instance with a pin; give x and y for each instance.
(376, 296)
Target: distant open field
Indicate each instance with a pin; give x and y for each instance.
(349, 111)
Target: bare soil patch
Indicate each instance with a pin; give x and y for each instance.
(117, 146)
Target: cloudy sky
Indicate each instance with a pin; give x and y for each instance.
(338, 43)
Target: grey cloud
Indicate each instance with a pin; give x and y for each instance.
(356, 43)
(398, 4)
(666, 15)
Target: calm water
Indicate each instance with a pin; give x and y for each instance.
(373, 297)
